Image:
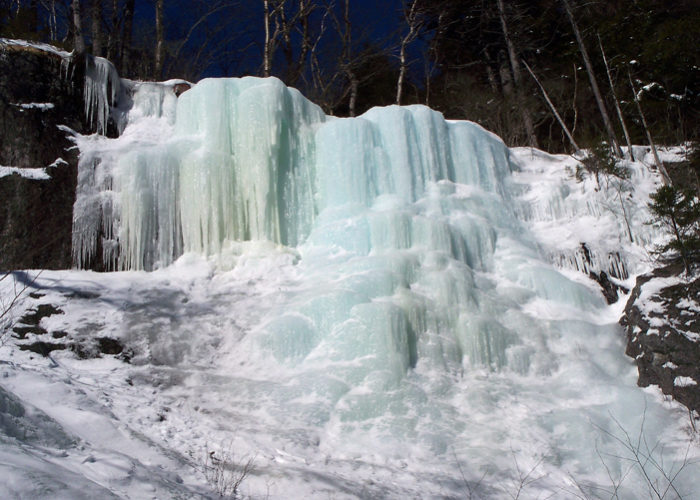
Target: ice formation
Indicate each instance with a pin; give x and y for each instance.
(403, 316)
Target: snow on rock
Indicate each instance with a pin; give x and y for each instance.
(27, 173)
(42, 106)
(663, 332)
(50, 49)
(684, 382)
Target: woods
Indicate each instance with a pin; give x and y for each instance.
(541, 73)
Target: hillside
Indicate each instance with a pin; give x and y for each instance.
(388, 306)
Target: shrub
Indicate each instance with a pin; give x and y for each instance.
(678, 210)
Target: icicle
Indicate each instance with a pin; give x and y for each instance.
(102, 86)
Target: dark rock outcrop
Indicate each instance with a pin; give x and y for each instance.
(40, 89)
(662, 323)
(610, 290)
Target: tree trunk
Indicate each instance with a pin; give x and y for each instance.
(126, 38)
(352, 104)
(96, 26)
(347, 63)
(554, 109)
(594, 83)
(267, 50)
(113, 36)
(657, 160)
(517, 80)
(408, 38)
(78, 41)
(617, 102)
(160, 42)
(297, 70)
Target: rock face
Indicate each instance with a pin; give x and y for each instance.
(40, 90)
(662, 322)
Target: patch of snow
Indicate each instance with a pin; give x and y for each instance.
(670, 365)
(692, 336)
(27, 173)
(689, 305)
(36, 45)
(43, 106)
(656, 322)
(57, 162)
(684, 382)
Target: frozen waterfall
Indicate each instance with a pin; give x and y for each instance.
(412, 337)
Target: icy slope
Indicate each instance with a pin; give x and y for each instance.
(380, 307)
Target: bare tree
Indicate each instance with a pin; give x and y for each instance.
(160, 41)
(10, 298)
(347, 60)
(517, 78)
(657, 160)
(553, 108)
(96, 27)
(412, 18)
(78, 41)
(125, 46)
(592, 78)
(617, 102)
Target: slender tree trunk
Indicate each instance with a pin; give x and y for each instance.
(517, 79)
(354, 86)
(52, 21)
(408, 38)
(347, 63)
(659, 164)
(573, 101)
(267, 50)
(113, 37)
(96, 25)
(490, 75)
(78, 41)
(617, 102)
(34, 15)
(297, 70)
(126, 38)
(594, 83)
(553, 108)
(160, 42)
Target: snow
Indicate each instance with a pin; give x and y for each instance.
(32, 173)
(382, 307)
(27, 173)
(684, 382)
(36, 45)
(42, 106)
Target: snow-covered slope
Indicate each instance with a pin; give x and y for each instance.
(383, 307)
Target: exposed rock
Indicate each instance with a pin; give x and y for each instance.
(39, 90)
(43, 348)
(23, 331)
(94, 348)
(662, 322)
(610, 289)
(34, 316)
(180, 88)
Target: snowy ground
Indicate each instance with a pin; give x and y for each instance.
(204, 375)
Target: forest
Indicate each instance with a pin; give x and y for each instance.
(556, 74)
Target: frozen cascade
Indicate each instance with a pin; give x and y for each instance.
(413, 332)
(102, 90)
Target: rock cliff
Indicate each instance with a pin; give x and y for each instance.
(662, 323)
(41, 91)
